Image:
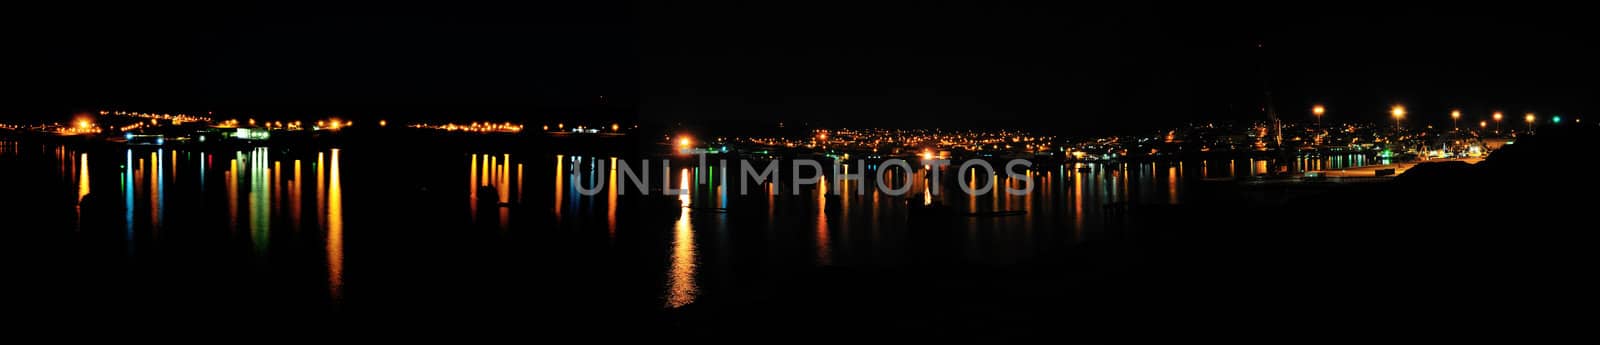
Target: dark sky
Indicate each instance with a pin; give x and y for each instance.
(1059, 66)
(455, 59)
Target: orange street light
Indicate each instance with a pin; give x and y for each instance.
(1318, 110)
(1399, 112)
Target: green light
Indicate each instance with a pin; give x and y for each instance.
(1556, 119)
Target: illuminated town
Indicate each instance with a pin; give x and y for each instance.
(909, 172)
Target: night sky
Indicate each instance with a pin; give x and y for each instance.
(1053, 66)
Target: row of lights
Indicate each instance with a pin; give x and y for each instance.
(563, 127)
(475, 127)
(1399, 112)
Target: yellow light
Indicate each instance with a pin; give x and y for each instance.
(1455, 114)
(547, 127)
(252, 122)
(83, 123)
(683, 141)
(1398, 111)
(1483, 124)
(1318, 110)
(927, 155)
(1498, 115)
(383, 123)
(1529, 117)
(614, 127)
(561, 126)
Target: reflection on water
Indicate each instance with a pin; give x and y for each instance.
(258, 201)
(83, 188)
(335, 231)
(611, 198)
(560, 187)
(824, 254)
(490, 184)
(689, 248)
(681, 289)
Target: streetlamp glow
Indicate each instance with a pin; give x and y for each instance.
(1497, 117)
(1399, 112)
(1530, 118)
(1318, 110)
(1455, 116)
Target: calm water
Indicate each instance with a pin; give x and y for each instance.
(369, 229)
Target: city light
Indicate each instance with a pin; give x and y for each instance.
(1318, 110)
(1399, 112)
(475, 127)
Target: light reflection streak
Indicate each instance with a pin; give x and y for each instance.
(824, 253)
(232, 178)
(611, 199)
(259, 201)
(83, 187)
(294, 198)
(1077, 201)
(322, 191)
(156, 197)
(335, 230)
(127, 202)
(560, 186)
(472, 189)
(1172, 185)
(681, 288)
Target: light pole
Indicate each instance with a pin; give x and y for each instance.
(1497, 117)
(1399, 112)
(1530, 119)
(1318, 110)
(1455, 116)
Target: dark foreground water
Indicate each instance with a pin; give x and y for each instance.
(395, 238)
(438, 235)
